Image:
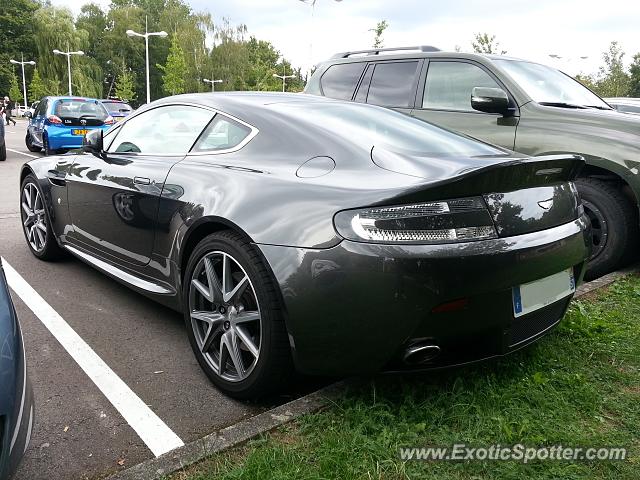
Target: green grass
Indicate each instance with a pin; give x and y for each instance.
(578, 386)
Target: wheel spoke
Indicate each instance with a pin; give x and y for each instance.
(234, 353)
(204, 291)
(27, 196)
(237, 291)
(40, 237)
(244, 317)
(26, 208)
(247, 341)
(223, 355)
(226, 275)
(215, 290)
(41, 226)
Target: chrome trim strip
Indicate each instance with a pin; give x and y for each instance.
(24, 394)
(121, 274)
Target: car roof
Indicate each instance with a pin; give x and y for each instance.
(72, 97)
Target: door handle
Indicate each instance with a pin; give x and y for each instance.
(142, 181)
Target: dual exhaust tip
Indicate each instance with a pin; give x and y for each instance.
(420, 353)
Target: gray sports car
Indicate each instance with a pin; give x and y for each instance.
(300, 232)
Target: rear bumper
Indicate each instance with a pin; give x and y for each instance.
(63, 137)
(355, 307)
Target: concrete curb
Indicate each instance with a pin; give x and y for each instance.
(242, 431)
(157, 468)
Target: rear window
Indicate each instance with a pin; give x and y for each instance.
(79, 108)
(117, 107)
(339, 81)
(389, 129)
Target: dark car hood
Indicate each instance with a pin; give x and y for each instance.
(9, 349)
(592, 117)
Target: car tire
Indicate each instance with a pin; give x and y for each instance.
(30, 146)
(3, 152)
(613, 222)
(45, 146)
(272, 366)
(38, 232)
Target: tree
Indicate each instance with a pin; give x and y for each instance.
(175, 69)
(15, 93)
(37, 88)
(484, 43)
(125, 86)
(613, 81)
(378, 41)
(588, 81)
(634, 77)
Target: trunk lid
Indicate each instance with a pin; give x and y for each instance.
(522, 194)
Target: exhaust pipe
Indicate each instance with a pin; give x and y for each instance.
(420, 353)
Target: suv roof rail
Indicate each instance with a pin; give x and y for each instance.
(377, 51)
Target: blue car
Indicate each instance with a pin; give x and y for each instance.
(118, 109)
(16, 398)
(60, 123)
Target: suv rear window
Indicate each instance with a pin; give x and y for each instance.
(392, 84)
(339, 81)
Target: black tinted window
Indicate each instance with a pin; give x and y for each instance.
(221, 134)
(392, 84)
(339, 81)
(449, 85)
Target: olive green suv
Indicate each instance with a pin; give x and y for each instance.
(517, 104)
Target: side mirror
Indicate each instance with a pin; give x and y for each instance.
(27, 114)
(92, 142)
(490, 100)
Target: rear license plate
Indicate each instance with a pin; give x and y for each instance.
(535, 295)
(80, 132)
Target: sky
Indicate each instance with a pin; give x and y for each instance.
(530, 29)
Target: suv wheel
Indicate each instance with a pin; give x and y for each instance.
(613, 225)
(234, 319)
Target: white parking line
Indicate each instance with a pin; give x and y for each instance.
(22, 153)
(153, 431)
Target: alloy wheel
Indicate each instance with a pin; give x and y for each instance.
(599, 228)
(225, 316)
(33, 217)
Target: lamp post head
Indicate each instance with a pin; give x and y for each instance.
(162, 34)
(31, 62)
(57, 52)
(131, 33)
(14, 62)
(206, 80)
(275, 75)
(79, 52)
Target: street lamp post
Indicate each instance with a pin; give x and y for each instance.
(284, 79)
(146, 36)
(311, 32)
(24, 82)
(68, 55)
(212, 82)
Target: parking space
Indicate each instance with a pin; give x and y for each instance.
(79, 433)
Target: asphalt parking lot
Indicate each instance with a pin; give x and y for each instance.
(79, 433)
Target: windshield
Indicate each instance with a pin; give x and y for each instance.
(547, 85)
(117, 107)
(387, 128)
(79, 108)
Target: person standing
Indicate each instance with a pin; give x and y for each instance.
(8, 106)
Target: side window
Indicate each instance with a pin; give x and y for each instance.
(221, 134)
(339, 81)
(163, 130)
(42, 108)
(449, 85)
(392, 84)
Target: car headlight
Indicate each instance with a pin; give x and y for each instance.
(448, 221)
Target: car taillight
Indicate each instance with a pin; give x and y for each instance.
(109, 120)
(54, 119)
(448, 221)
